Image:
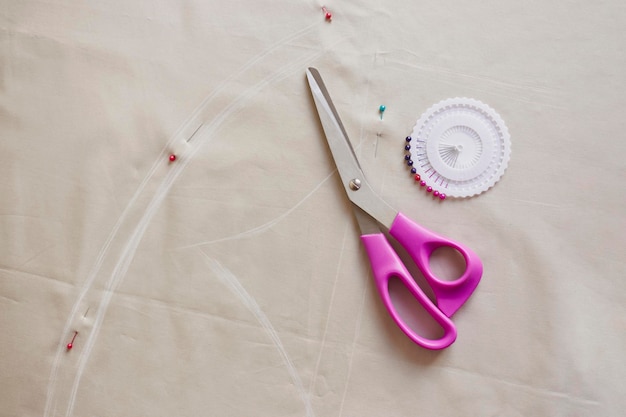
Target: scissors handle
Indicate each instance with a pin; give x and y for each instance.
(420, 243)
(386, 265)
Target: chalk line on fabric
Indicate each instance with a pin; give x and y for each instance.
(328, 314)
(127, 255)
(231, 281)
(265, 226)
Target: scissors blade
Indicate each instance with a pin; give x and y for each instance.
(355, 185)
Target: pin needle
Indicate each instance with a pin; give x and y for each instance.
(194, 132)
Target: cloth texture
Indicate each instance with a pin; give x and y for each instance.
(232, 281)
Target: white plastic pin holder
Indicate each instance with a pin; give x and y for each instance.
(460, 147)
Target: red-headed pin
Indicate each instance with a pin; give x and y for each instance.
(71, 344)
(172, 157)
(328, 15)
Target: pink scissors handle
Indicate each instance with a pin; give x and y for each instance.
(386, 265)
(420, 243)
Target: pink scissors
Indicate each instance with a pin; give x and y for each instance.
(371, 212)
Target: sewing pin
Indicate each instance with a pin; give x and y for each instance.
(71, 344)
(382, 109)
(328, 15)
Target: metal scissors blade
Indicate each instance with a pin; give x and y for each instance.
(356, 186)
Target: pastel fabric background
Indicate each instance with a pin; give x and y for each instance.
(232, 282)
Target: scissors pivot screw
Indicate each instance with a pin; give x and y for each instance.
(355, 184)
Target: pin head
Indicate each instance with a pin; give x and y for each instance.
(172, 158)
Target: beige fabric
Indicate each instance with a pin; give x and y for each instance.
(232, 282)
